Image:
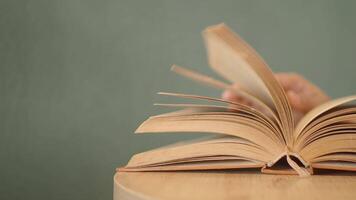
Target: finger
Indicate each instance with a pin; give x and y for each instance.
(296, 101)
(230, 95)
(291, 81)
(309, 94)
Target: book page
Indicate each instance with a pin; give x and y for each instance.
(233, 111)
(213, 123)
(214, 150)
(317, 111)
(342, 156)
(233, 107)
(342, 142)
(206, 80)
(328, 137)
(331, 122)
(335, 165)
(198, 165)
(236, 61)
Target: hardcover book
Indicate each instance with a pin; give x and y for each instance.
(264, 137)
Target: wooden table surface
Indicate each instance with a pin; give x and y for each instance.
(231, 185)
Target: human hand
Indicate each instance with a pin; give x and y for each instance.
(302, 94)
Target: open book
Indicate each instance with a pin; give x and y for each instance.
(264, 137)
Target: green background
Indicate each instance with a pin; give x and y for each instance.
(77, 77)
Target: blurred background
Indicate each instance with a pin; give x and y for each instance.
(78, 77)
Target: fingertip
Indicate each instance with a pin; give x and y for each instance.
(227, 95)
(230, 95)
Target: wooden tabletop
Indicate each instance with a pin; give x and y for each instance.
(231, 185)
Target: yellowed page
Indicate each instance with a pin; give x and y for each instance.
(227, 125)
(330, 130)
(229, 111)
(314, 127)
(313, 114)
(215, 149)
(325, 125)
(236, 61)
(343, 156)
(202, 165)
(206, 80)
(199, 77)
(234, 105)
(336, 165)
(345, 142)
